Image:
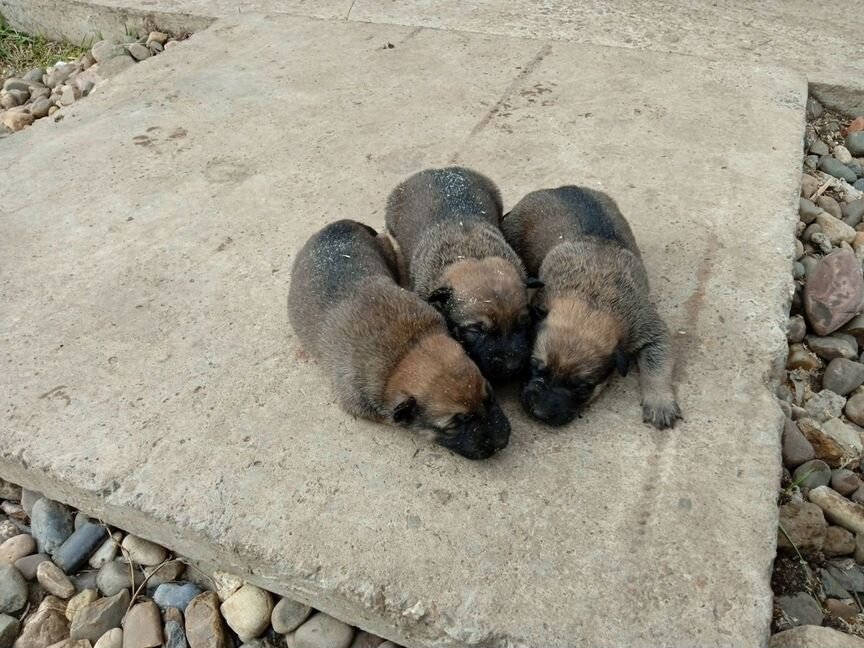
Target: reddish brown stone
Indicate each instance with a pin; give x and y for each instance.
(856, 125)
(834, 292)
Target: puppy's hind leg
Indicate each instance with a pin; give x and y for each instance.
(659, 407)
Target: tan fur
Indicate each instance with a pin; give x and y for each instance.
(488, 291)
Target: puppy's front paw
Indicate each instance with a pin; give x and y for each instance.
(661, 415)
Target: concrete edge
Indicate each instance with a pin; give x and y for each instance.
(845, 99)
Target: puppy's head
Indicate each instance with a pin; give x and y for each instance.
(485, 303)
(436, 389)
(576, 350)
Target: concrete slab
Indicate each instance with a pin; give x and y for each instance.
(791, 33)
(150, 376)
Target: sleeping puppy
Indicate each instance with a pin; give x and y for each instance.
(446, 223)
(594, 309)
(386, 351)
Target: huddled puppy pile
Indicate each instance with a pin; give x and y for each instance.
(553, 293)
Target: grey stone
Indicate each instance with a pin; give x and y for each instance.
(810, 231)
(367, 640)
(85, 580)
(21, 96)
(52, 578)
(822, 242)
(796, 329)
(35, 74)
(843, 376)
(832, 587)
(814, 636)
(13, 83)
(138, 51)
(29, 499)
(811, 162)
(809, 185)
(829, 205)
(807, 211)
(118, 64)
(323, 631)
(835, 292)
(288, 615)
(847, 573)
(829, 347)
(155, 47)
(105, 50)
(51, 523)
(175, 635)
(143, 552)
(854, 409)
(80, 546)
(107, 551)
(69, 95)
(58, 75)
(8, 530)
(837, 169)
(835, 229)
(819, 148)
(855, 143)
(814, 108)
(99, 617)
(798, 609)
(798, 270)
(812, 473)
(168, 572)
(175, 595)
(115, 576)
(13, 590)
(844, 481)
(842, 154)
(859, 184)
(40, 108)
(853, 212)
(796, 450)
(28, 565)
(825, 405)
(9, 628)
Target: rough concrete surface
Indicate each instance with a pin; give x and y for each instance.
(150, 376)
(815, 41)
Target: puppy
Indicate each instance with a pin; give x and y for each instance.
(594, 308)
(386, 351)
(446, 222)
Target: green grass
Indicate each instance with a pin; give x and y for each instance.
(20, 53)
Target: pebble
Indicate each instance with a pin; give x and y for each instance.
(799, 249)
(175, 635)
(85, 580)
(111, 639)
(854, 409)
(365, 640)
(9, 491)
(801, 357)
(323, 631)
(837, 169)
(798, 271)
(71, 643)
(831, 346)
(46, 627)
(842, 154)
(40, 108)
(247, 611)
(825, 405)
(811, 162)
(80, 546)
(830, 205)
(812, 474)
(821, 241)
(107, 552)
(168, 572)
(143, 552)
(819, 148)
(844, 434)
(832, 587)
(288, 615)
(175, 595)
(796, 450)
(79, 601)
(157, 47)
(838, 509)
(204, 627)
(835, 292)
(844, 481)
(29, 499)
(13, 83)
(29, 564)
(226, 584)
(157, 37)
(859, 184)
(809, 185)
(51, 523)
(813, 636)
(814, 108)
(69, 95)
(838, 609)
(16, 548)
(843, 376)
(838, 542)
(94, 620)
(52, 578)
(807, 211)
(798, 609)
(859, 548)
(13, 590)
(140, 52)
(16, 121)
(835, 229)
(855, 125)
(853, 212)
(113, 577)
(796, 329)
(804, 523)
(855, 143)
(142, 627)
(105, 50)
(9, 628)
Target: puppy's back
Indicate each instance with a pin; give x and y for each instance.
(547, 217)
(330, 268)
(435, 196)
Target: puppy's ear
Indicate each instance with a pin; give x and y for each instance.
(406, 412)
(622, 362)
(440, 296)
(534, 282)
